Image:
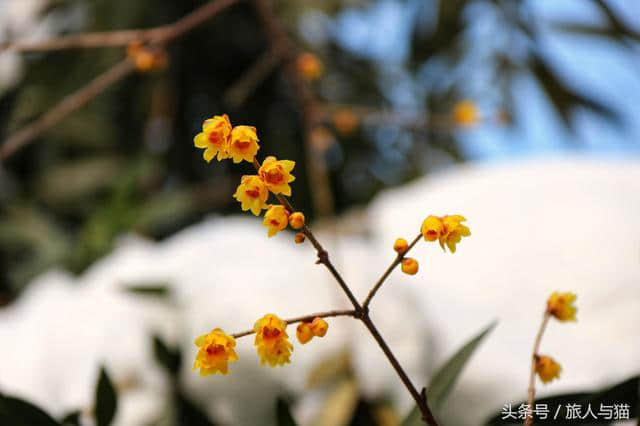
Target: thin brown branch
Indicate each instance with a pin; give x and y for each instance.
(307, 318)
(532, 377)
(386, 273)
(235, 95)
(161, 34)
(71, 103)
(321, 195)
(79, 98)
(363, 315)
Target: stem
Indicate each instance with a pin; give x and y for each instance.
(420, 398)
(532, 377)
(310, 317)
(360, 313)
(390, 269)
(71, 103)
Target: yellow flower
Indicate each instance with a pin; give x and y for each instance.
(296, 220)
(214, 137)
(276, 219)
(304, 333)
(215, 350)
(409, 266)
(547, 368)
(432, 228)
(276, 174)
(319, 327)
(144, 58)
(309, 66)
(252, 194)
(272, 341)
(560, 305)
(243, 144)
(465, 113)
(401, 246)
(453, 231)
(299, 238)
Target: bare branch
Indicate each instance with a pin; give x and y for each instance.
(306, 318)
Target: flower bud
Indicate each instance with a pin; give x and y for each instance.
(304, 333)
(409, 266)
(319, 327)
(296, 220)
(401, 246)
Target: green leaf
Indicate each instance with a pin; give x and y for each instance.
(446, 376)
(189, 413)
(169, 358)
(626, 392)
(106, 400)
(152, 289)
(71, 419)
(283, 414)
(16, 411)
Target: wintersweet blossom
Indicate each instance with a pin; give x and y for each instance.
(215, 351)
(547, 368)
(214, 138)
(243, 144)
(465, 113)
(276, 174)
(299, 238)
(453, 231)
(409, 266)
(560, 305)
(432, 228)
(276, 219)
(272, 341)
(252, 194)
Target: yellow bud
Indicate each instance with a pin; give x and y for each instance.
(299, 238)
(401, 246)
(560, 305)
(547, 368)
(319, 327)
(296, 220)
(304, 333)
(309, 66)
(409, 266)
(465, 113)
(345, 121)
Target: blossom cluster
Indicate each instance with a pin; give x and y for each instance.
(221, 140)
(216, 349)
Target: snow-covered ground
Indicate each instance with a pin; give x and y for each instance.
(537, 226)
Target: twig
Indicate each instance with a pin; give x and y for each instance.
(164, 33)
(156, 36)
(396, 262)
(65, 107)
(251, 79)
(310, 317)
(321, 196)
(532, 377)
(363, 315)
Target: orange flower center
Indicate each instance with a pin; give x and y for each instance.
(270, 333)
(253, 193)
(432, 234)
(274, 176)
(215, 137)
(274, 222)
(215, 350)
(242, 145)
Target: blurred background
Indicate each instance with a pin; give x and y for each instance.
(365, 96)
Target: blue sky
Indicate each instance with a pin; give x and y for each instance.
(606, 71)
